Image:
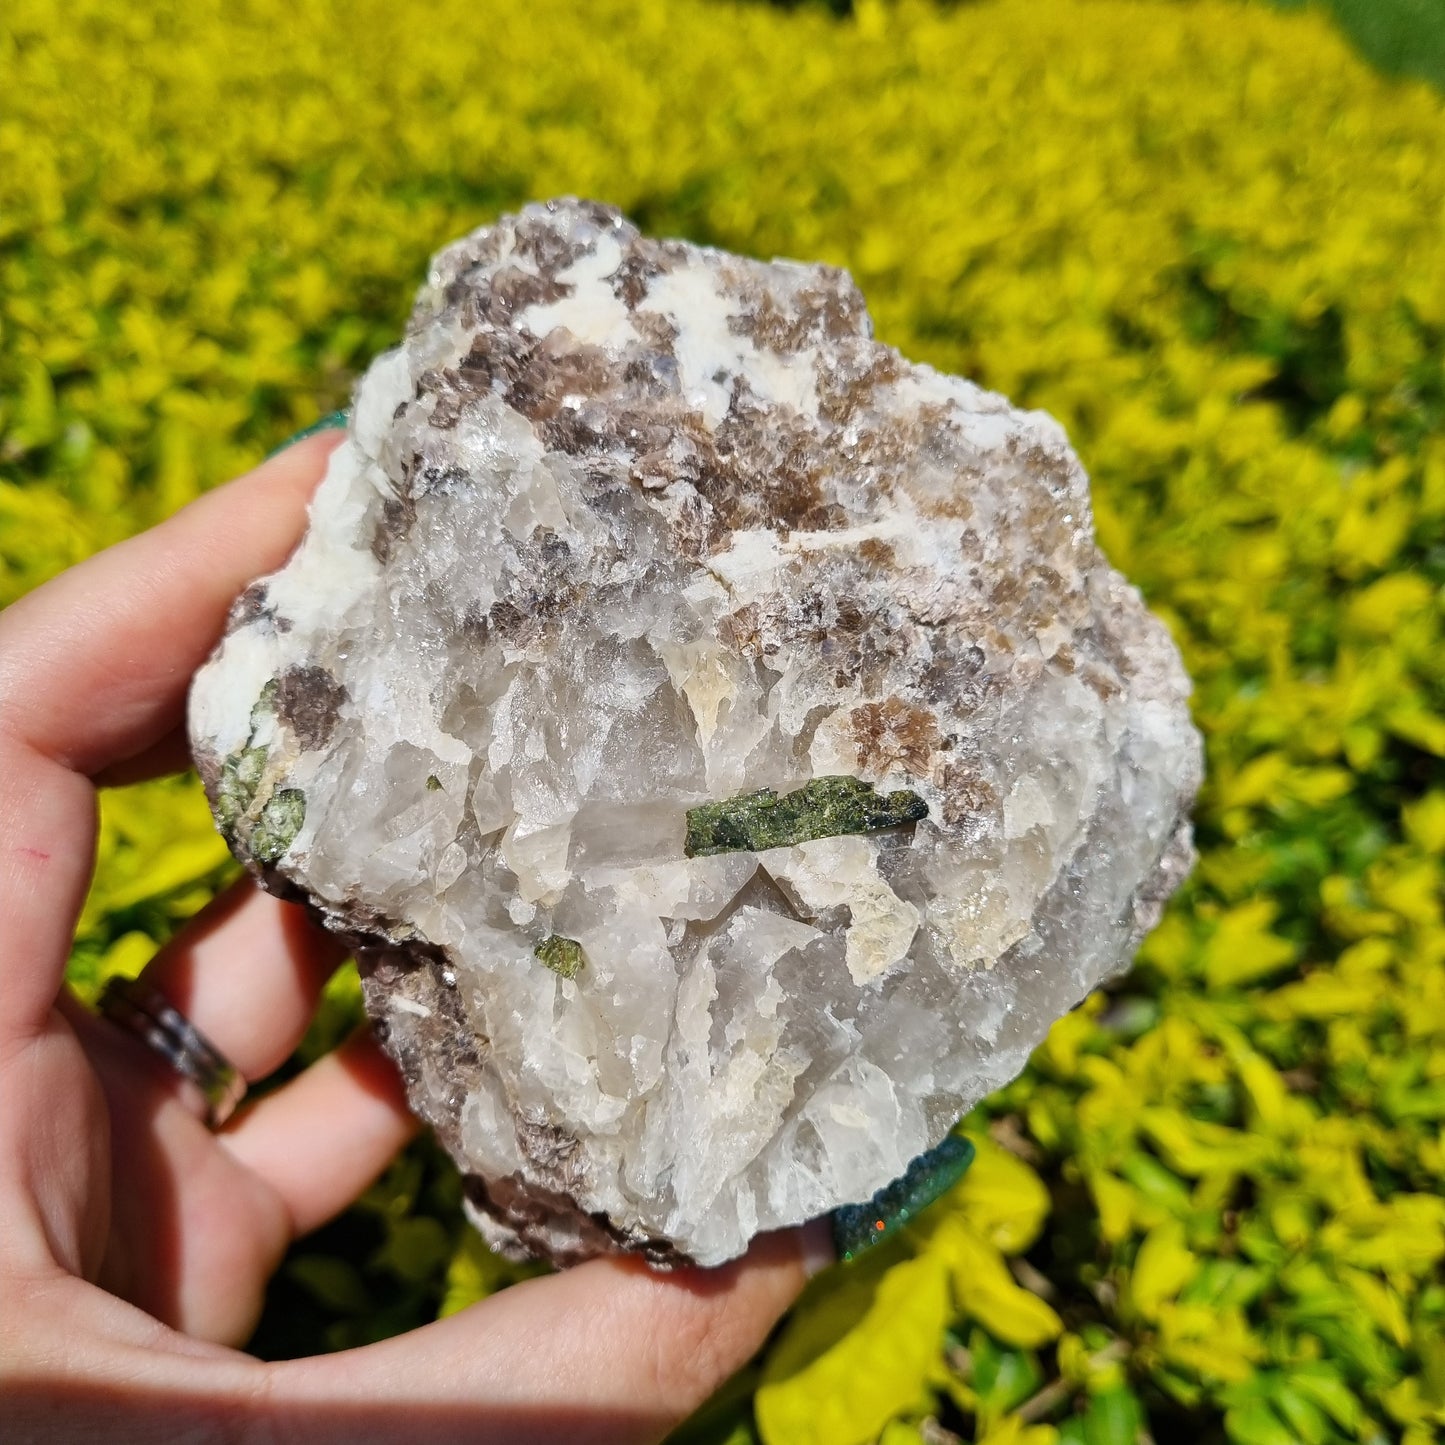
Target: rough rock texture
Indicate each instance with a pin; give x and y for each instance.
(625, 533)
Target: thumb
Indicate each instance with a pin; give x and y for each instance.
(610, 1351)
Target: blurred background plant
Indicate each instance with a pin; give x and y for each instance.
(1207, 236)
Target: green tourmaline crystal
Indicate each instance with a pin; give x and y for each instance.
(824, 808)
(857, 1227)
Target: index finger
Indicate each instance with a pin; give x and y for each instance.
(95, 664)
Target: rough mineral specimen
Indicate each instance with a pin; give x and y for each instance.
(722, 739)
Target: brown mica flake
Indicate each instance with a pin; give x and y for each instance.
(743, 630)
(955, 505)
(770, 328)
(657, 331)
(639, 267)
(554, 1154)
(515, 625)
(1117, 666)
(524, 618)
(1053, 470)
(309, 700)
(1006, 595)
(849, 383)
(967, 794)
(447, 409)
(513, 290)
(832, 309)
(547, 249)
(495, 358)
(250, 605)
(693, 525)
(894, 733)
(398, 516)
(955, 678)
(467, 260)
(1104, 685)
(767, 470)
(1030, 601)
(557, 372)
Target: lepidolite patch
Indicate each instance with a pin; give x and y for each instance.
(721, 739)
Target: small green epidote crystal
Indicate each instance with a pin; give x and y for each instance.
(265, 705)
(240, 777)
(279, 823)
(241, 772)
(824, 808)
(562, 955)
(282, 814)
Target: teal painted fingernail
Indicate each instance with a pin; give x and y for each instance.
(858, 1227)
(332, 420)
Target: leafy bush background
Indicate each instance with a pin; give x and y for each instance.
(1205, 236)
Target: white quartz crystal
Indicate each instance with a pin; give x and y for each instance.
(629, 527)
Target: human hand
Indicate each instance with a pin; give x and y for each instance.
(135, 1242)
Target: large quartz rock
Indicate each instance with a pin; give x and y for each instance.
(623, 534)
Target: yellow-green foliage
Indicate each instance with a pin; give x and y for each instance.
(1204, 236)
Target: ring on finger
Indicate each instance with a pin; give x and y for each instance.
(215, 1083)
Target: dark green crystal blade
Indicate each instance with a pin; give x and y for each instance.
(857, 1227)
(823, 808)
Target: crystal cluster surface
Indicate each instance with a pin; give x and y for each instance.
(721, 739)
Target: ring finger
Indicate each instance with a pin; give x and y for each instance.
(247, 972)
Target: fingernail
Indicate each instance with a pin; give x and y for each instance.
(332, 420)
(815, 1249)
(859, 1227)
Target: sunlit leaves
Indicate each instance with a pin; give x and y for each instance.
(1203, 235)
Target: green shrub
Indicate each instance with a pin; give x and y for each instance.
(1204, 236)
(1405, 37)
